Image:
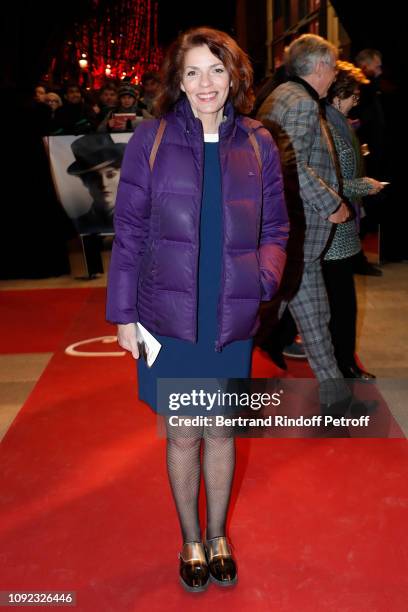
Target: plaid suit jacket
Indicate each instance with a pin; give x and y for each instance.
(292, 116)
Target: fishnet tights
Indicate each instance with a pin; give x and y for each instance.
(184, 471)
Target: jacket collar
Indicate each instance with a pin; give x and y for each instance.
(339, 121)
(310, 90)
(191, 124)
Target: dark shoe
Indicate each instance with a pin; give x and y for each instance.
(223, 570)
(194, 572)
(354, 371)
(295, 350)
(336, 409)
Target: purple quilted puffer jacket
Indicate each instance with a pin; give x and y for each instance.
(154, 264)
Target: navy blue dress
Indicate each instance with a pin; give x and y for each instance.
(183, 359)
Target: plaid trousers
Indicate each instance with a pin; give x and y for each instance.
(310, 309)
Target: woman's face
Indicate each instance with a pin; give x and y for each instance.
(127, 101)
(346, 104)
(205, 81)
(103, 185)
(52, 101)
(39, 94)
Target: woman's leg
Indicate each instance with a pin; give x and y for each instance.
(183, 467)
(218, 467)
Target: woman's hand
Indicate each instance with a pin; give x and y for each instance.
(127, 338)
(376, 186)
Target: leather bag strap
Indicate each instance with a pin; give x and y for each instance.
(156, 144)
(257, 152)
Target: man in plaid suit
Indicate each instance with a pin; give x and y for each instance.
(312, 185)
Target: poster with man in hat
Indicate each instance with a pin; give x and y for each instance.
(86, 172)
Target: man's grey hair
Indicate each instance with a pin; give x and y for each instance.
(304, 53)
(366, 56)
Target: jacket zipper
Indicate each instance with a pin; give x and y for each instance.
(195, 315)
(218, 345)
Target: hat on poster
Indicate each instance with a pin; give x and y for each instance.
(94, 152)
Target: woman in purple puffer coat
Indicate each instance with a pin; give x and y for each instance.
(199, 242)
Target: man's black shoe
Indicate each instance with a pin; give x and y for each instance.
(355, 372)
(336, 409)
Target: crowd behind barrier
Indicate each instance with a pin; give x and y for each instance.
(115, 107)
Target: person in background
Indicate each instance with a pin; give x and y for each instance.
(38, 112)
(378, 124)
(199, 242)
(292, 112)
(370, 112)
(150, 85)
(343, 95)
(40, 93)
(75, 116)
(129, 106)
(54, 101)
(369, 123)
(107, 100)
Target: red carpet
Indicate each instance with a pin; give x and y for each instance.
(36, 321)
(317, 524)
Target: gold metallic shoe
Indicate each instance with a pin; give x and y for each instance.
(223, 570)
(194, 573)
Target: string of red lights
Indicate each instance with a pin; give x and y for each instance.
(118, 41)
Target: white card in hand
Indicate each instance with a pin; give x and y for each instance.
(149, 347)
